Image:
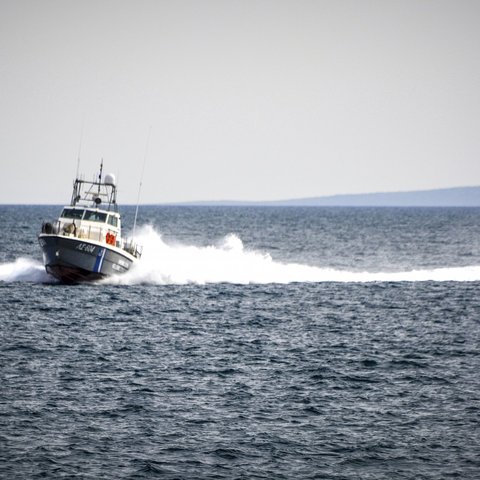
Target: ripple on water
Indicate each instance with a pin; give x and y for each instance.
(297, 381)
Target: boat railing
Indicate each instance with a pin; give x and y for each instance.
(133, 248)
(90, 233)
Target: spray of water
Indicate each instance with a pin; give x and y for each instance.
(24, 270)
(231, 262)
(228, 262)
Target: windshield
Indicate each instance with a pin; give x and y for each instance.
(72, 213)
(112, 220)
(93, 216)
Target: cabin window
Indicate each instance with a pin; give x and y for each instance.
(112, 220)
(72, 213)
(93, 216)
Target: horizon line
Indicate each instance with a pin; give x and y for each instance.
(280, 201)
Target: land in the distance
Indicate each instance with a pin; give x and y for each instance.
(442, 197)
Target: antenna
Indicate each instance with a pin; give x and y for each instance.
(100, 176)
(141, 181)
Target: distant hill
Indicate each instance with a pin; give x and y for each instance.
(443, 197)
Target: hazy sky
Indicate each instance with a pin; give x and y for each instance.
(246, 99)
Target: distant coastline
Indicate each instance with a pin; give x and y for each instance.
(442, 197)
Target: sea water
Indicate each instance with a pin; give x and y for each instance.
(257, 342)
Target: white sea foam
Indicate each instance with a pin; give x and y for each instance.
(228, 262)
(24, 270)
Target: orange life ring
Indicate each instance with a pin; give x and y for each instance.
(110, 238)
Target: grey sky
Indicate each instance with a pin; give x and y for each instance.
(247, 100)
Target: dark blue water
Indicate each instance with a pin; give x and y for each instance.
(171, 374)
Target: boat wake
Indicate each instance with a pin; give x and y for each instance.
(228, 262)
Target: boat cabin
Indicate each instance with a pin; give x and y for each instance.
(91, 223)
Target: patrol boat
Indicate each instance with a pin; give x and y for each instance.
(85, 243)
